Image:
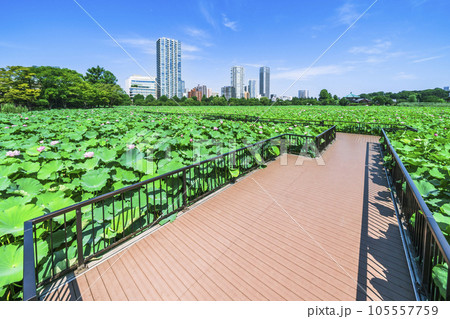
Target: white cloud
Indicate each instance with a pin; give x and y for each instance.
(428, 59)
(312, 72)
(379, 47)
(189, 48)
(206, 7)
(196, 33)
(347, 14)
(146, 45)
(229, 24)
(404, 76)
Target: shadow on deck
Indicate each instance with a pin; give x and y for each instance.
(300, 229)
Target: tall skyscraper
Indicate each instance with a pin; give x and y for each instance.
(303, 94)
(237, 81)
(252, 88)
(264, 81)
(168, 68)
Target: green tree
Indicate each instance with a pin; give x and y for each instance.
(18, 85)
(412, 98)
(324, 96)
(344, 102)
(100, 75)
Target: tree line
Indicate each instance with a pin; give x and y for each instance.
(52, 87)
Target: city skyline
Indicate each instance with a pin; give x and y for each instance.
(406, 51)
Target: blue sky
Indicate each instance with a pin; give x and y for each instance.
(397, 45)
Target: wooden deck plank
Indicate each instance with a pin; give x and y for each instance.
(295, 230)
(98, 289)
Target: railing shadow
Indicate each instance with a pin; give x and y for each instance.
(375, 253)
(67, 292)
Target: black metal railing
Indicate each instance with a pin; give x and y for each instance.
(76, 234)
(428, 245)
(324, 139)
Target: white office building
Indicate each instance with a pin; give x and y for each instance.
(168, 68)
(237, 81)
(138, 84)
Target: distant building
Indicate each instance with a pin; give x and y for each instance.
(285, 98)
(210, 92)
(200, 91)
(168, 68)
(273, 97)
(352, 98)
(138, 84)
(446, 88)
(303, 94)
(228, 92)
(264, 81)
(252, 88)
(237, 81)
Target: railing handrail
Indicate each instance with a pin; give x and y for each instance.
(151, 180)
(435, 230)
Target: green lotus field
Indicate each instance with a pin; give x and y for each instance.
(52, 159)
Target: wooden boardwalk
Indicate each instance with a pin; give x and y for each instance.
(300, 229)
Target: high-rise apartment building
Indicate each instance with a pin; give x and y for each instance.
(237, 81)
(252, 88)
(303, 94)
(264, 81)
(168, 68)
(138, 84)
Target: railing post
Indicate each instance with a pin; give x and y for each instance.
(426, 261)
(81, 264)
(29, 271)
(184, 189)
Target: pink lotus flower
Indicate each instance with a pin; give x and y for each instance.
(13, 125)
(88, 154)
(191, 140)
(215, 128)
(435, 134)
(221, 122)
(13, 153)
(6, 127)
(40, 149)
(25, 125)
(42, 142)
(107, 122)
(260, 132)
(102, 124)
(26, 118)
(290, 128)
(260, 127)
(181, 135)
(54, 142)
(117, 120)
(131, 146)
